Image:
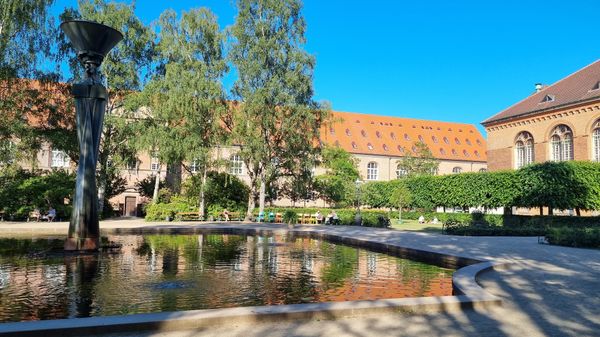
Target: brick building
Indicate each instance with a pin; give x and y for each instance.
(557, 122)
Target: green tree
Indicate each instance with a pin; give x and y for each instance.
(277, 122)
(123, 70)
(400, 197)
(185, 96)
(419, 162)
(337, 184)
(26, 63)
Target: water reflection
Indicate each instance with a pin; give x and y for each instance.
(183, 272)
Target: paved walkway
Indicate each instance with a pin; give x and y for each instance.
(548, 291)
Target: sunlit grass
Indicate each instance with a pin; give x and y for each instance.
(415, 226)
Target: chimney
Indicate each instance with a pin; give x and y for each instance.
(538, 87)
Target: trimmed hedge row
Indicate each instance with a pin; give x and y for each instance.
(558, 185)
(574, 237)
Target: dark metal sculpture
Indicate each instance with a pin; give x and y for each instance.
(92, 41)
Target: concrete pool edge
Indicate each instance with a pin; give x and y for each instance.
(468, 294)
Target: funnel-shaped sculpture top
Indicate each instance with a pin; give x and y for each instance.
(91, 40)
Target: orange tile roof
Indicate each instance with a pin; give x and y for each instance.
(581, 86)
(393, 136)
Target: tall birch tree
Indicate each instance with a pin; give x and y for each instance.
(276, 124)
(185, 97)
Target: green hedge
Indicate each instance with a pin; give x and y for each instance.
(160, 212)
(558, 185)
(574, 237)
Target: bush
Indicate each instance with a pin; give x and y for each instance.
(290, 217)
(160, 212)
(574, 237)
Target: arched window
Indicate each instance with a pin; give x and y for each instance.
(596, 141)
(354, 146)
(385, 148)
(457, 169)
(372, 171)
(561, 143)
(446, 140)
(393, 135)
(406, 137)
(363, 133)
(370, 146)
(435, 140)
(523, 149)
(236, 165)
(378, 134)
(401, 172)
(442, 151)
(421, 139)
(457, 141)
(348, 132)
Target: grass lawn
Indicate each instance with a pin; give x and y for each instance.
(414, 225)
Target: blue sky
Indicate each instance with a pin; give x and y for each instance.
(459, 61)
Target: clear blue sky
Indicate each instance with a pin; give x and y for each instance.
(459, 61)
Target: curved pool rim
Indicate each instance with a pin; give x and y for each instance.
(468, 293)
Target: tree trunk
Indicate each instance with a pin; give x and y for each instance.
(101, 193)
(174, 177)
(261, 196)
(156, 186)
(202, 187)
(578, 211)
(251, 203)
(550, 211)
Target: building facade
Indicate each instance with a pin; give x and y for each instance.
(557, 122)
(378, 142)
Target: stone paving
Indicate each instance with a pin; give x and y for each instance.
(547, 291)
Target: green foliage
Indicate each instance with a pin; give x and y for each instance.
(419, 162)
(560, 185)
(337, 185)
(160, 211)
(290, 217)
(145, 187)
(23, 191)
(574, 237)
(222, 189)
(278, 123)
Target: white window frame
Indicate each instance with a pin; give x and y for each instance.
(236, 166)
(154, 164)
(401, 172)
(561, 143)
(457, 170)
(372, 171)
(596, 144)
(59, 159)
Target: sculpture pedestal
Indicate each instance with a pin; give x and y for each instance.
(90, 104)
(82, 244)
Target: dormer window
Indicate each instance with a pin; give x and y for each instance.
(596, 86)
(547, 99)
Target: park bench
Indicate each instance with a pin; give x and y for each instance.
(233, 216)
(189, 216)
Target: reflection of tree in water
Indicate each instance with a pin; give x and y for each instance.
(32, 280)
(341, 263)
(420, 276)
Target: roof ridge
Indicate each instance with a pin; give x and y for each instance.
(489, 119)
(405, 118)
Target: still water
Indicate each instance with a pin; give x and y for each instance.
(152, 273)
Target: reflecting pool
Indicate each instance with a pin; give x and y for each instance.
(152, 273)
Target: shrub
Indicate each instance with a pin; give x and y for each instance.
(574, 237)
(290, 217)
(160, 212)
